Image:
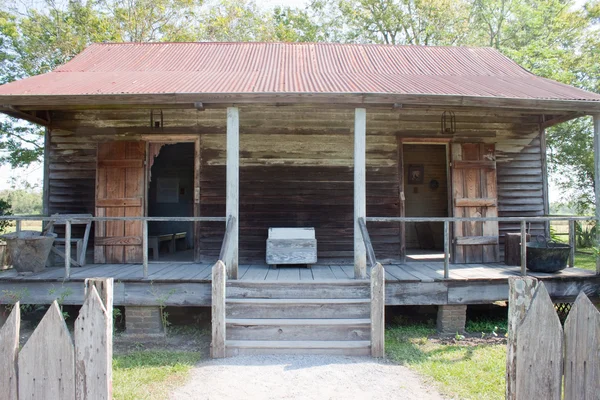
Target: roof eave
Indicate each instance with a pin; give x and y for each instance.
(104, 100)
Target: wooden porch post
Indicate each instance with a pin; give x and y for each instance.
(360, 192)
(233, 188)
(597, 183)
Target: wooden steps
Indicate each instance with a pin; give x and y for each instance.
(253, 347)
(298, 318)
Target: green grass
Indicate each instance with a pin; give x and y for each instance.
(585, 261)
(462, 370)
(150, 374)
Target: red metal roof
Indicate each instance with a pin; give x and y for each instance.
(156, 68)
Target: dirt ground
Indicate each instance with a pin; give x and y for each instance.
(303, 377)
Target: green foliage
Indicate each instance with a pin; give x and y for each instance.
(150, 374)
(24, 199)
(5, 209)
(585, 236)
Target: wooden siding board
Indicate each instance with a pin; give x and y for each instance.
(315, 149)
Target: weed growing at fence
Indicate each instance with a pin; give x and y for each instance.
(66, 292)
(10, 297)
(462, 369)
(150, 374)
(161, 299)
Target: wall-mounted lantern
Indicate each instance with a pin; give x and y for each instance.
(448, 123)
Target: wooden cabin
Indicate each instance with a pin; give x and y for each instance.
(308, 135)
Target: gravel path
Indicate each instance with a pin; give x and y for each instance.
(303, 377)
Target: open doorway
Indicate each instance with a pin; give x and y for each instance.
(425, 169)
(171, 194)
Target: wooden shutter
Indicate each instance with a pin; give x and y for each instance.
(119, 193)
(475, 195)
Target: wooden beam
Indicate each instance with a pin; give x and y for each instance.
(16, 113)
(480, 202)
(476, 240)
(233, 186)
(597, 183)
(46, 184)
(545, 196)
(545, 105)
(559, 119)
(360, 191)
(482, 164)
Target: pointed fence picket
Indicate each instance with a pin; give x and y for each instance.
(50, 365)
(543, 352)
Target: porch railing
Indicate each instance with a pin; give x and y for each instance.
(68, 221)
(523, 221)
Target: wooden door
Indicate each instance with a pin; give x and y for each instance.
(119, 193)
(474, 195)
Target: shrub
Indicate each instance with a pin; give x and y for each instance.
(5, 209)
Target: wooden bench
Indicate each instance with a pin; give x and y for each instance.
(291, 246)
(177, 238)
(155, 241)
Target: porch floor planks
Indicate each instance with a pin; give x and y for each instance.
(242, 269)
(431, 271)
(399, 274)
(288, 274)
(323, 273)
(306, 274)
(272, 274)
(424, 274)
(339, 273)
(256, 272)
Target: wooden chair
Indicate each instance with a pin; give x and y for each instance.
(80, 243)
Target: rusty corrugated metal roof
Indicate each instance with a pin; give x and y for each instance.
(157, 68)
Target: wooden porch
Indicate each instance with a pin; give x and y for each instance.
(189, 284)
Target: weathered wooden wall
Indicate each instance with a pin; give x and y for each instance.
(520, 183)
(296, 165)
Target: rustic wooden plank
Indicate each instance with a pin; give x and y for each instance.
(572, 243)
(474, 164)
(256, 272)
(400, 274)
(323, 272)
(582, 341)
(233, 186)
(401, 200)
(120, 164)
(377, 311)
(121, 202)
(47, 360)
(520, 295)
(420, 272)
(93, 347)
(9, 349)
(118, 241)
(219, 278)
(539, 352)
(289, 274)
(360, 191)
(475, 240)
(481, 202)
(416, 293)
(306, 274)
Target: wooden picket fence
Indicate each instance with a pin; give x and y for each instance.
(541, 352)
(53, 366)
